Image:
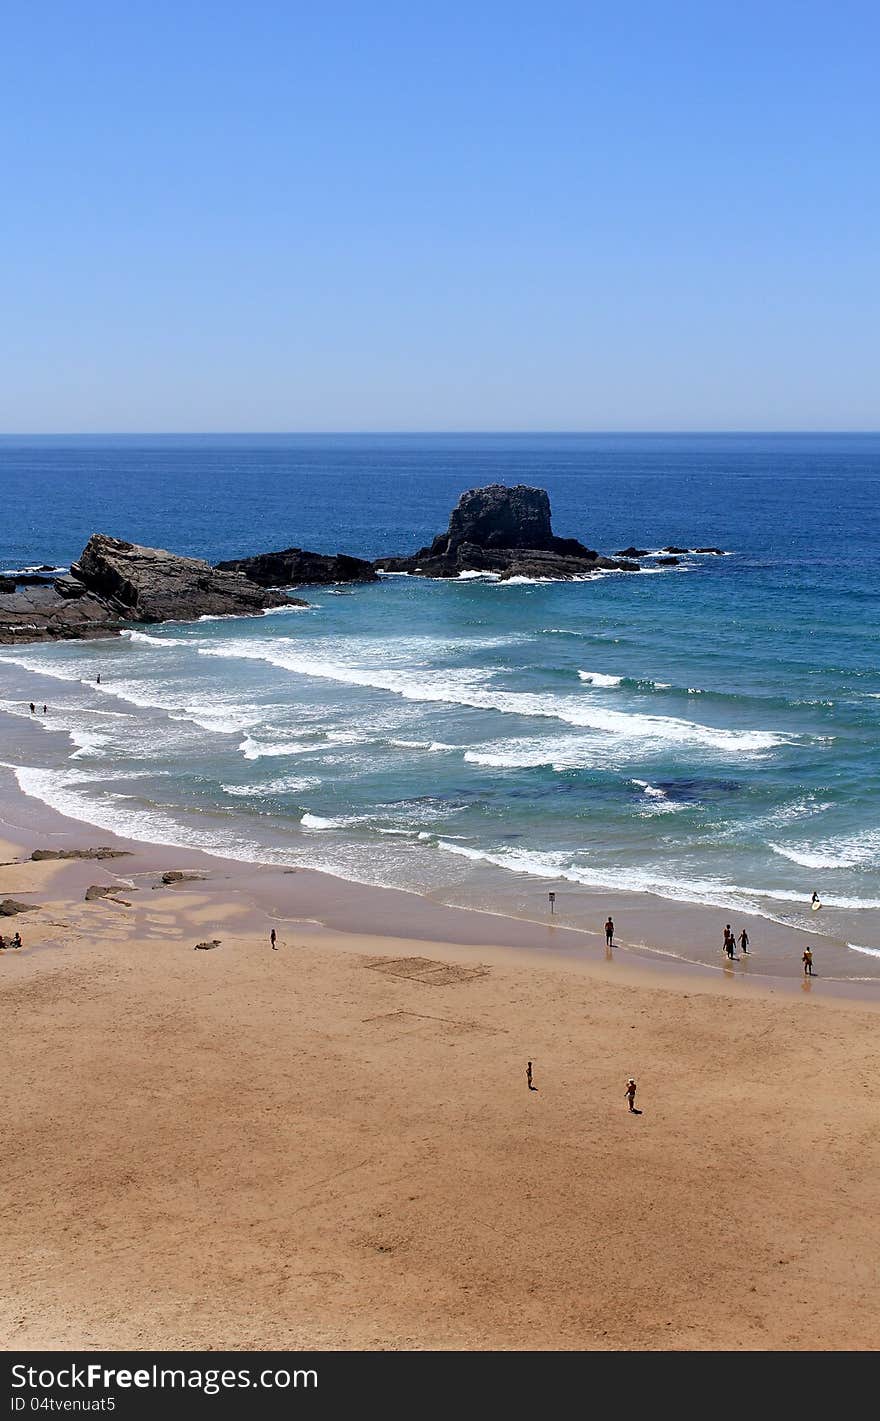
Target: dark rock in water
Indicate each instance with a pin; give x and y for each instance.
(95, 891)
(667, 562)
(673, 549)
(40, 613)
(39, 855)
(10, 906)
(7, 584)
(632, 553)
(116, 581)
(295, 567)
(506, 531)
(151, 585)
(177, 875)
(719, 552)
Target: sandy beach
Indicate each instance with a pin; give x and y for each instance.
(333, 1145)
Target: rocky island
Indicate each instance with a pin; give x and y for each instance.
(497, 530)
(506, 531)
(294, 567)
(116, 582)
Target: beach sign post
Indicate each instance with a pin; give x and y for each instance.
(552, 897)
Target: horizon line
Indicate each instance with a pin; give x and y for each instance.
(417, 433)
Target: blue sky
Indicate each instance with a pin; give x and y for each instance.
(415, 216)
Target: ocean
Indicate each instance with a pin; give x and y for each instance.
(706, 733)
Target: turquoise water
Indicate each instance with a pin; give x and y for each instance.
(707, 733)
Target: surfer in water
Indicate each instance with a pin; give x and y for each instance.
(815, 901)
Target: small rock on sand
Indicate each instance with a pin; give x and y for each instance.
(10, 906)
(207, 946)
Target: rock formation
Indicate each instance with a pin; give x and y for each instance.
(40, 854)
(151, 585)
(506, 531)
(293, 567)
(115, 582)
(10, 906)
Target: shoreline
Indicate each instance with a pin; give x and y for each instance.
(336, 907)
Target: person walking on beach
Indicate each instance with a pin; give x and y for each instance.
(744, 942)
(33, 708)
(609, 931)
(729, 942)
(631, 1096)
(807, 960)
(529, 1076)
(272, 940)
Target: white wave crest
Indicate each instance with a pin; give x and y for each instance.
(471, 689)
(598, 678)
(856, 851)
(869, 951)
(155, 640)
(258, 750)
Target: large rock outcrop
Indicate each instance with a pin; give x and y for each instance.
(151, 585)
(294, 567)
(506, 531)
(115, 582)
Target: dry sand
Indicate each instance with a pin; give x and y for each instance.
(333, 1145)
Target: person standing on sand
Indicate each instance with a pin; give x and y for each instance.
(807, 960)
(529, 1076)
(272, 940)
(631, 1095)
(609, 931)
(744, 942)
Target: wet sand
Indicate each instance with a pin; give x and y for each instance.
(333, 1145)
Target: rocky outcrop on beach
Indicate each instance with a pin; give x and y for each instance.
(10, 906)
(294, 567)
(42, 613)
(506, 531)
(40, 855)
(152, 585)
(115, 582)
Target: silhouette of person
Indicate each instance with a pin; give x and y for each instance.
(807, 960)
(609, 932)
(744, 941)
(272, 940)
(529, 1076)
(631, 1095)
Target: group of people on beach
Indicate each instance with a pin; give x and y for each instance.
(14, 941)
(730, 943)
(35, 709)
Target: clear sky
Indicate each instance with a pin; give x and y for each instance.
(272, 215)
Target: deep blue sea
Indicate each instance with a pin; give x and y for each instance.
(706, 733)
